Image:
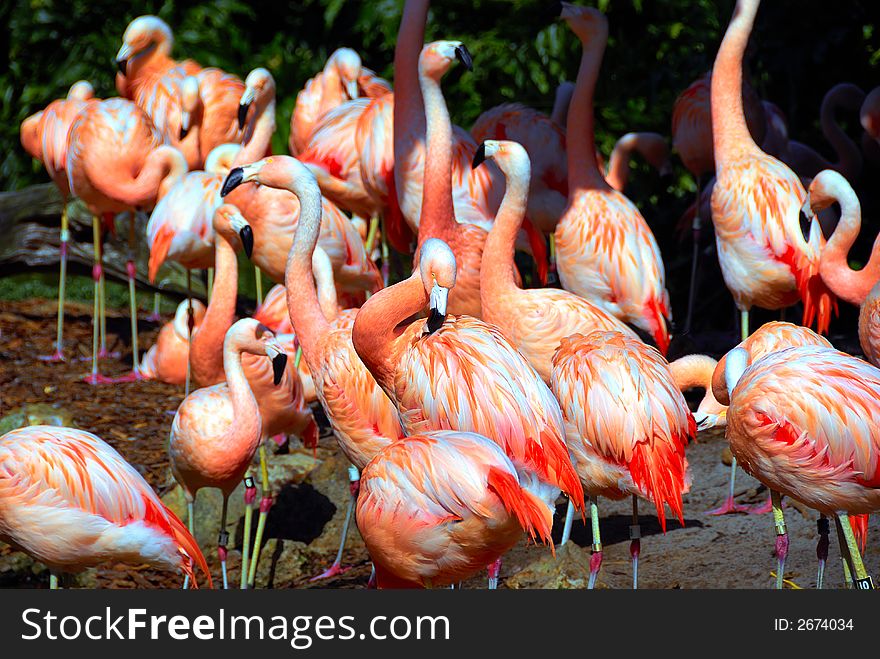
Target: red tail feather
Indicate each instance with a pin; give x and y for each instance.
(533, 515)
(658, 468)
(819, 302)
(656, 313)
(159, 250)
(160, 517)
(859, 525)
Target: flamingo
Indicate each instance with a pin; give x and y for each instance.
(167, 360)
(803, 421)
(604, 248)
(144, 169)
(869, 114)
(71, 501)
(216, 430)
(44, 137)
(363, 419)
(651, 146)
(437, 507)
(537, 319)
(770, 337)
(860, 287)
(696, 371)
(627, 425)
(343, 78)
(462, 374)
(153, 80)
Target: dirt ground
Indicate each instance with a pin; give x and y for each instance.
(733, 551)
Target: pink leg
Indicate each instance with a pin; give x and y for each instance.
(354, 482)
(94, 377)
(729, 506)
(822, 549)
(595, 564)
(494, 570)
(762, 508)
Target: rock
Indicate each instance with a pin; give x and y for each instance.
(36, 414)
(570, 569)
(281, 562)
(331, 480)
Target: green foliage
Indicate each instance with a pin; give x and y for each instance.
(521, 50)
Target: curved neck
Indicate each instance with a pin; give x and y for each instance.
(258, 135)
(618, 163)
(303, 306)
(207, 341)
(497, 266)
(325, 285)
(730, 131)
(376, 326)
(851, 285)
(247, 423)
(437, 209)
(693, 371)
(849, 157)
(561, 103)
(583, 168)
(163, 167)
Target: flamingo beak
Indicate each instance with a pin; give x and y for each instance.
(463, 54)
(122, 57)
(807, 208)
(351, 88)
(245, 232)
(247, 98)
(437, 302)
(479, 156)
(276, 353)
(184, 124)
(234, 178)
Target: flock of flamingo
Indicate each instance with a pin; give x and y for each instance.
(465, 403)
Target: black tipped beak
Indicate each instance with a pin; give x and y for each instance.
(183, 132)
(435, 321)
(247, 240)
(233, 180)
(462, 53)
(479, 156)
(122, 65)
(279, 364)
(242, 115)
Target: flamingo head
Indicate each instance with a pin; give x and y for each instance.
(230, 223)
(259, 84)
(219, 161)
(142, 36)
(282, 172)
(189, 103)
(348, 65)
(437, 270)
(869, 114)
(437, 57)
(31, 138)
(823, 192)
(81, 90)
(251, 336)
(510, 156)
(736, 363)
(587, 23)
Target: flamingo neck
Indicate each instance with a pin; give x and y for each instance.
(376, 330)
(730, 131)
(246, 428)
(583, 168)
(851, 285)
(206, 349)
(258, 136)
(849, 157)
(618, 163)
(437, 209)
(497, 266)
(164, 166)
(693, 371)
(303, 306)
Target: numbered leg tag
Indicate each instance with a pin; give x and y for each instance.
(249, 482)
(865, 584)
(223, 539)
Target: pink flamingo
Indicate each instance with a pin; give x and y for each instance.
(71, 501)
(627, 425)
(44, 137)
(364, 420)
(437, 507)
(536, 319)
(217, 430)
(343, 78)
(605, 251)
(869, 114)
(858, 287)
(803, 421)
(696, 371)
(144, 169)
(462, 374)
(651, 146)
(167, 360)
(153, 80)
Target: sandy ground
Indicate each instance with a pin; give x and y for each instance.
(733, 551)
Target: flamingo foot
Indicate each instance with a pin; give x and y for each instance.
(57, 356)
(595, 564)
(494, 570)
(97, 378)
(762, 509)
(103, 353)
(154, 318)
(729, 507)
(333, 571)
(134, 376)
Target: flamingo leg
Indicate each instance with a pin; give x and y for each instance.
(58, 355)
(354, 480)
(386, 265)
(371, 235)
(265, 506)
(635, 544)
(822, 549)
(258, 284)
(223, 540)
(762, 508)
(850, 548)
(210, 283)
(53, 581)
(155, 316)
(131, 270)
(190, 521)
(371, 582)
(596, 557)
(95, 377)
(781, 537)
(494, 570)
(569, 518)
(551, 276)
(695, 263)
(250, 495)
(190, 323)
